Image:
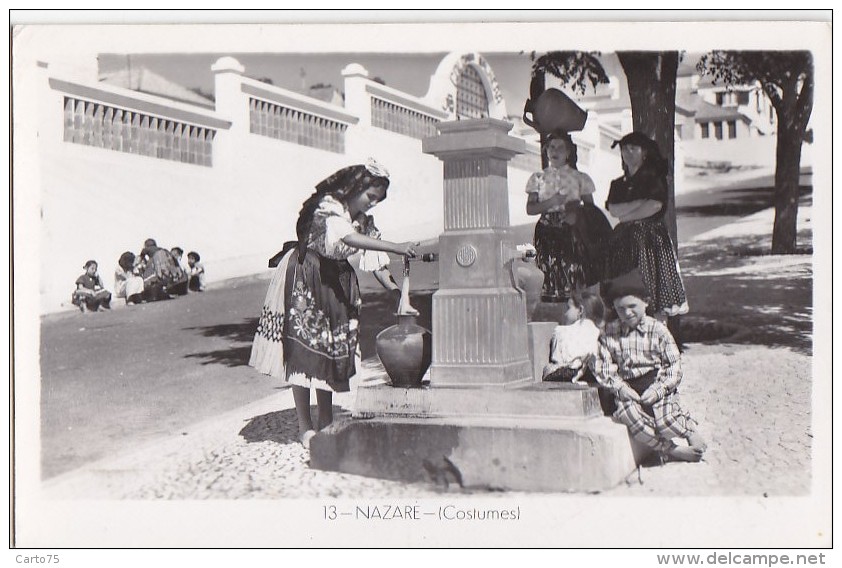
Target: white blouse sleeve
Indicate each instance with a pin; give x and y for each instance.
(586, 185)
(336, 229)
(533, 184)
(337, 223)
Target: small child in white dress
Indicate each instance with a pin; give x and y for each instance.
(576, 339)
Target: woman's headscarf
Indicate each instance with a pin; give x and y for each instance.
(653, 159)
(353, 179)
(342, 185)
(149, 247)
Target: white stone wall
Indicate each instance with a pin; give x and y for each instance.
(95, 203)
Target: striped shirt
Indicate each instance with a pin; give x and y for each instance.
(627, 354)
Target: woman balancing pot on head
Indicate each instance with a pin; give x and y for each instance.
(308, 330)
(564, 243)
(640, 247)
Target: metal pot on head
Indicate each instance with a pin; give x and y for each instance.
(553, 111)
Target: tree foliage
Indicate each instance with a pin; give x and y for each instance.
(787, 79)
(576, 69)
(782, 75)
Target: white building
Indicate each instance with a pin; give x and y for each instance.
(727, 125)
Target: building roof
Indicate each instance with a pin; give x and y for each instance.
(706, 112)
(326, 93)
(608, 105)
(143, 80)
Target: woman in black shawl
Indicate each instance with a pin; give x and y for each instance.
(640, 246)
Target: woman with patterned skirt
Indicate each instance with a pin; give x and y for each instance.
(308, 331)
(557, 194)
(163, 277)
(640, 246)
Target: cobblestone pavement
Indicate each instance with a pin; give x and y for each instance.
(754, 409)
(753, 406)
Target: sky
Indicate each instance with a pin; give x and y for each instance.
(409, 73)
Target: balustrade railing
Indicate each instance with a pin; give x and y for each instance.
(293, 125)
(105, 126)
(400, 119)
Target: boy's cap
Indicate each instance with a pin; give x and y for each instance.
(629, 284)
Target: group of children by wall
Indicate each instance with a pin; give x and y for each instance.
(155, 274)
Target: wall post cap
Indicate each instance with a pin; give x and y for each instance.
(354, 70)
(228, 63)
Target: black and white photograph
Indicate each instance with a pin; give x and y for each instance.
(536, 280)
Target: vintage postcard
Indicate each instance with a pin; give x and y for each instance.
(331, 284)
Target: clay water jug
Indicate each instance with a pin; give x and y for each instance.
(406, 350)
(553, 110)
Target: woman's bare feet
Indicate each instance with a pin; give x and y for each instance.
(305, 438)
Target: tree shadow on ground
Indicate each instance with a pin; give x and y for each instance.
(233, 356)
(740, 296)
(736, 202)
(243, 331)
(280, 426)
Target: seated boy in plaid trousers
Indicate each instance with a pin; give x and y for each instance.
(639, 361)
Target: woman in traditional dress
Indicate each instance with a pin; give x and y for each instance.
(162, 275)
(308, 329)
(640, 246)
(557, 194)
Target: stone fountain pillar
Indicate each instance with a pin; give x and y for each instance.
(479, 317)
(483, 420)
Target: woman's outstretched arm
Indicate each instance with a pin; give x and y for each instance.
(359, 241)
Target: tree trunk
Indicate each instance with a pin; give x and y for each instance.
(651, 78)
(787, 176)
(793, 110)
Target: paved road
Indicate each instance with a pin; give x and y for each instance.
(718, 199)
(112, 380)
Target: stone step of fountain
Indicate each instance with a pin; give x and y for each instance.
(490, 452)
(536, 400)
